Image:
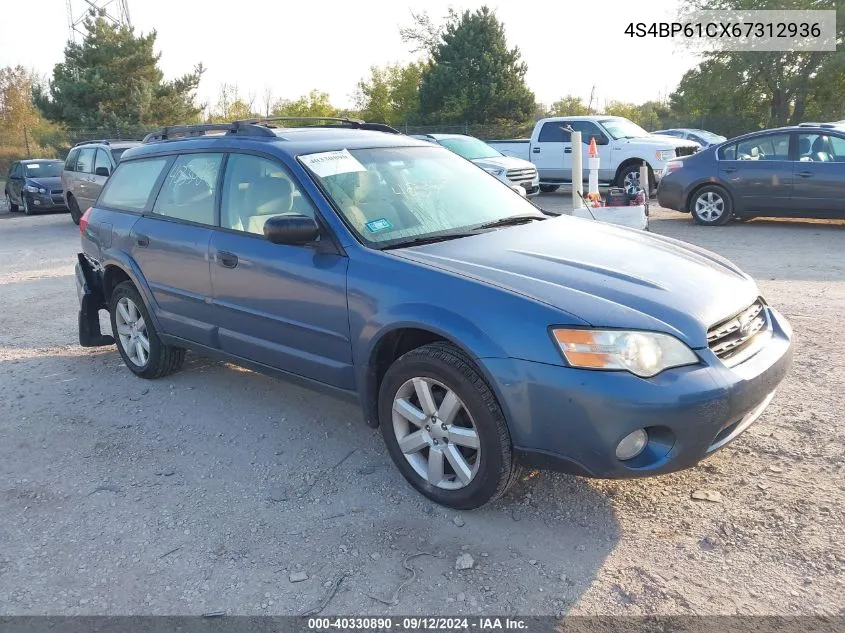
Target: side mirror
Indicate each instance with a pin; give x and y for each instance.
(294, 230)
(101, 171)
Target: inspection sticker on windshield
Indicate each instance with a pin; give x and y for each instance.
(374, 226)
(332, 163)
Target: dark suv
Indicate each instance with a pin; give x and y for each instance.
(87, 168)
(478, 333)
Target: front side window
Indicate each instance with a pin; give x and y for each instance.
(470, 148)
(102, 162)
(256, 189)
(588, 131)
(189, 189)
(821, 148)
(131, 185)
(392, 195)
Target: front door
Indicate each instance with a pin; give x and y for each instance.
(819, 189)
(170, 245)
(759, 174)
(278, 305)
(83, 177)
(590, 130)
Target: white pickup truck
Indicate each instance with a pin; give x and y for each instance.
(622, 147)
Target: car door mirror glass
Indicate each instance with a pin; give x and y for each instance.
(102, 171)
(292, 229)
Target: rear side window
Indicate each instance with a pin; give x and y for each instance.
(188, 192)
(85, 161)
(131, 185)
(764, 147)
(70, 163)
(553, 132)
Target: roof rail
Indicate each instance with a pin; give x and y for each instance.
(343, 121)
(236, 127)
(103, 141)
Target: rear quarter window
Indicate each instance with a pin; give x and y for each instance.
(132, 184)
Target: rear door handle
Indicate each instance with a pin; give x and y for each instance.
(142, 240)
(805, 174)
(536, 150)
(226, 259)
(729, 170)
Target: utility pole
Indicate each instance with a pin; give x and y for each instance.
(114, 11)
(26, 142)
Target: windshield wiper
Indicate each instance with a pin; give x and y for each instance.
(509, 221)
(426, 239)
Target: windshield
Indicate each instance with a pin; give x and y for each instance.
(470, 148)
(43, 170)
(393, 195)
(623, 128)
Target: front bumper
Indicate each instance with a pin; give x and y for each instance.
(572, 420)
(45, 201)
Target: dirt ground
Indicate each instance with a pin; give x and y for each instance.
(212, 489)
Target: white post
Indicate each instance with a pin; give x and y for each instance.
(644, 183)
(577, 172)
(593, 163)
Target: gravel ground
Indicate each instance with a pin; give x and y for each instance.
(215, 489)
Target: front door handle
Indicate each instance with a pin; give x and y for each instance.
(567, 150)
(805, 174)
(536, 150)
(142, 240)
(226, 259)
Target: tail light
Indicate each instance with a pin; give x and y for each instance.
(672, 165)
(83, 221)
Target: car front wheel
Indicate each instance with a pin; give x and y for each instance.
(25, 208)
(711, 206)
(137, 340)
(549, 188)
(444, 428)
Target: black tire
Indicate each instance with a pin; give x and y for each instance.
(549, 188)
(163, 359)
(25, 205)
(711, 195)
(12, 206)
(446, 364)
(634, 169)
(73, 207)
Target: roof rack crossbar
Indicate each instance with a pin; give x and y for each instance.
(236, 127)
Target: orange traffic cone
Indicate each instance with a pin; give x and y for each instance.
(594, 152)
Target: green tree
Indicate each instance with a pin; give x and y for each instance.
(315, 104)
(473, 76)
(391, 94)
(111, 80)
(231, 106)
(788, 83)
(569, 106)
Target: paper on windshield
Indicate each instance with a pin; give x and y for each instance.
(332, 163)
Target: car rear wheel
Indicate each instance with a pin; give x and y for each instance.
(12, 207)
(137, 340)
(73, 207)
(711, 206)
(549, 188)
(444, 429)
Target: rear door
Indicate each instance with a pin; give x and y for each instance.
(170, 241)
(758, 173)
(819, 170)
(548, 153)
(279, 305)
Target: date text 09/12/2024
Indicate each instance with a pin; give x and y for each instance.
(417, 623)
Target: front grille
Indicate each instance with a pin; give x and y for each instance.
(685, 151)
(732, 336)
(517, 175)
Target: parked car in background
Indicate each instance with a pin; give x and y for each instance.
(702, 137)
(796, 171)
(622, 145)
(87, 168)
(34, 185)
(508, 169)
(479, 334)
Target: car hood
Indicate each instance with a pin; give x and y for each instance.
(601, 274)
(52, 182)
(503, 162)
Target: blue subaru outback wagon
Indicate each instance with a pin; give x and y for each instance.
(479, 334)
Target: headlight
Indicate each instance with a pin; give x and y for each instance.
(665, 154)
(32, 189)
(644, 354)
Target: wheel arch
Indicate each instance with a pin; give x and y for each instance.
(628, 162)
(116, 271)
(708, 183)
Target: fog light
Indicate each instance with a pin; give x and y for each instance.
(631, 445)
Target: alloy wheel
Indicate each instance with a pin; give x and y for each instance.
(709, 206)
(631, 182)
(436, 433)
(132, 332)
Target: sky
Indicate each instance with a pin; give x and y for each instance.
(290, 48)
